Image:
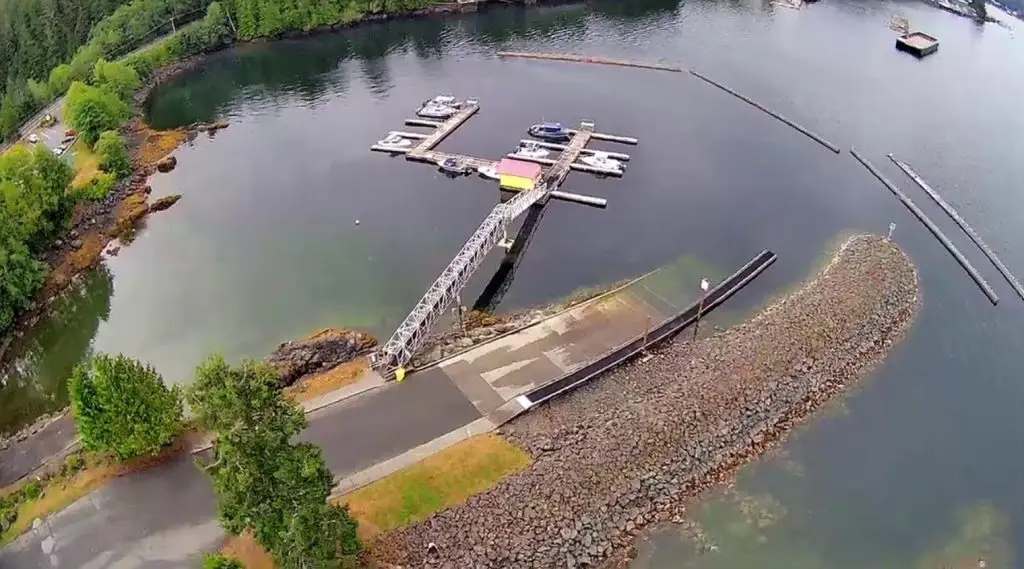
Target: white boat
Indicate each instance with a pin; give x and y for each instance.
(432, 110)
(603, 161)
(531, 150)
(394, 141)
(446, 100)
(490, 172)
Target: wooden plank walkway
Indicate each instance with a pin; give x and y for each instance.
(440, 133)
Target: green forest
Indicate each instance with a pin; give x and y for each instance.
(46, 45)
(88, 50)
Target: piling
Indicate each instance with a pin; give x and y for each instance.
(580, 199)
(770, 112)
(590, 59)
(985, 288)
(962, 223)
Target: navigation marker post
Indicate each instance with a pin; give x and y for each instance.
(704, 286)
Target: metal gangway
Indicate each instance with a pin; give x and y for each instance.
(412, 332)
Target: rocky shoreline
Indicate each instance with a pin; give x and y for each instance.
(633, 447)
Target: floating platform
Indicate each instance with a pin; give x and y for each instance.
(574, 165)
(918, 44)
(616, 155)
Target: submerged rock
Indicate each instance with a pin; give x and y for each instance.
(321, 351)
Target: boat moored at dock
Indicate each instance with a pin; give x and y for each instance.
(530, 149)
(603, 161)
(551, 131)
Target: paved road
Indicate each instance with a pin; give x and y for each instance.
(21, 458)
(166, 517)
(362, 431)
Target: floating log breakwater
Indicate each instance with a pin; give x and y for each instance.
(770, 112)
(589, 59)
(962, 223)
(632, 447)
(974, 274)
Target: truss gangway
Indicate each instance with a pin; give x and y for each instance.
(412, 332)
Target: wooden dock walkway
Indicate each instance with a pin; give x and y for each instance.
(440, 133)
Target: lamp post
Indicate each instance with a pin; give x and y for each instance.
(704, 286)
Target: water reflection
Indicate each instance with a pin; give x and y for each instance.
(36, 378)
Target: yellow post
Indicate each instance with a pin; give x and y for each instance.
(400, 374)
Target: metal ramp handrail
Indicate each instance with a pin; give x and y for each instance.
(412, 332)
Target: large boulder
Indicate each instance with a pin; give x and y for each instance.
(167, 163)
(319, 352)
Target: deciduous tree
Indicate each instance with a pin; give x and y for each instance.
(91, 111)
(123, 406)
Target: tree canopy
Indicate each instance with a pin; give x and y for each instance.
(123, 406)
(91, 110)
(264, 482)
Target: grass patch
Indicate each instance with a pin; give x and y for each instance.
(246, 549)
(87, 164)
(441, 481)
(337, 377)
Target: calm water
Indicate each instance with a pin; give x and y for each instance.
(919, 468)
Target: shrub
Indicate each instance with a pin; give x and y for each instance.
(98, 188)
(123, 406)
(113, 153)
(221, 561)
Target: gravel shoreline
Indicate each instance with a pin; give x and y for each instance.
(632, 447)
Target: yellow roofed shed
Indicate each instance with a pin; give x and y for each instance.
(518, 176)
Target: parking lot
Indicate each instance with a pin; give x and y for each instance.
(52, 136)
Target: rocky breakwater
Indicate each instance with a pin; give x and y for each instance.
(632, 447)
(318, 352)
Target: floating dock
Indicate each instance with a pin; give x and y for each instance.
(616, 155)
(974, 274)
(573, 166)
(407, 340)
(962, 223)
(918, 44)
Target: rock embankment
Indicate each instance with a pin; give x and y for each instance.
(632, 447)
(318, 352)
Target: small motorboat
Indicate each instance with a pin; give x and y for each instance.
(489, 172)
(552, 131)
(603, 161)
(394, 141)
(453, 166)
(531, 150)
(446, 100)
(432, 110)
